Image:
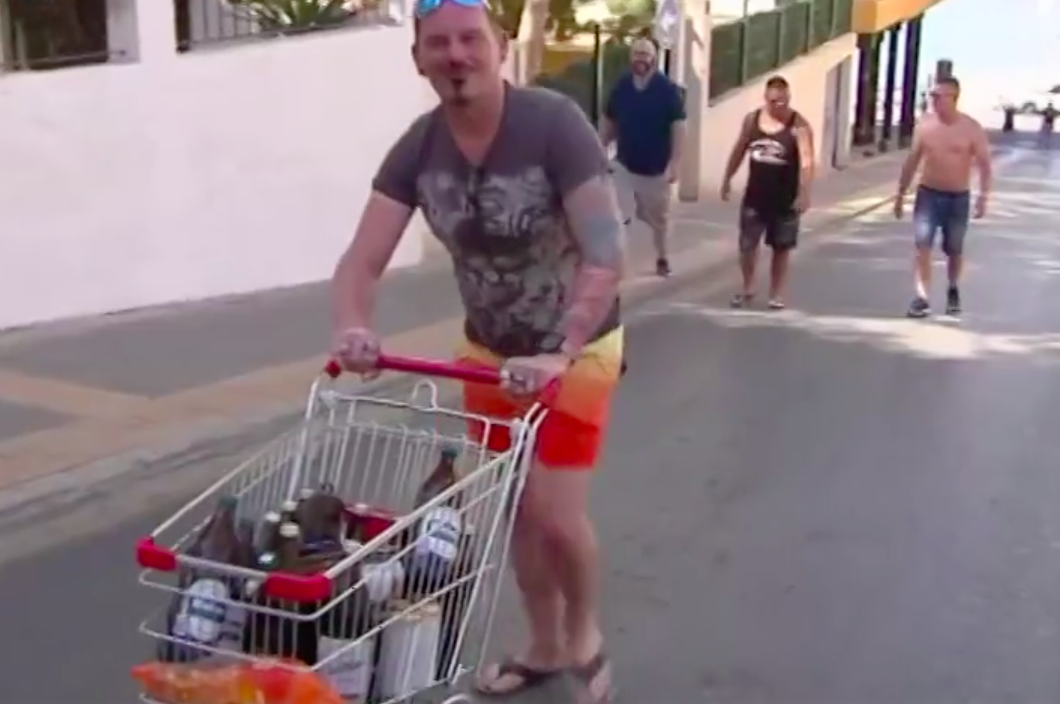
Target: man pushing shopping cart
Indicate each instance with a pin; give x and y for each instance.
(514, 182)
(349, 559)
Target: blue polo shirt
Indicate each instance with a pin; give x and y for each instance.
(644, 119)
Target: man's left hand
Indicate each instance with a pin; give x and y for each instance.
(980, 207)
(802, 202)
(672, 173)
(529, 376)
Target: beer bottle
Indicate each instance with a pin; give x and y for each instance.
(321, 516)
(437, 539)
(290, 549)
(246, 555)
(201, 614)
(441, 477)
(220, 541)
(267, 541)
(287, 511)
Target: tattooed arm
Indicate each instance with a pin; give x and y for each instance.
(597, 227)
(577, 167)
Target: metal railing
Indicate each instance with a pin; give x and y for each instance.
(38, 35)
(211, 22)
(743, 50)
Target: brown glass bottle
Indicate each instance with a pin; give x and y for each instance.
(442, 477)
(321, 516)
(219, 540)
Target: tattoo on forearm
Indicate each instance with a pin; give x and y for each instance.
(595, 290)
(596, 225)
(597, 228)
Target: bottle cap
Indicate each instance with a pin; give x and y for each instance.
(450, 451)
(289, 530)
(306, 493)
(290, 505)
(272, 517)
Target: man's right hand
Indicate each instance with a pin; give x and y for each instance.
(726, 190)
(357, 350)
(899, 207)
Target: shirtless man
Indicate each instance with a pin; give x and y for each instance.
(949, 143)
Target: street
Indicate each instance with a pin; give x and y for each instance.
(827, 505)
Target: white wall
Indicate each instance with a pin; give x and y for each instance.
(187, 176)
(727, 9)
(808, 76)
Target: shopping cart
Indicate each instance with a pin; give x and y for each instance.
(375, 621)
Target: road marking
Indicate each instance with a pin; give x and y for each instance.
(64, 397)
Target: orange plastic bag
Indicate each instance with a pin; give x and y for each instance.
(270, 682)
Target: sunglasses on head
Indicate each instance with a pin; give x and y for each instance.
(422, 8)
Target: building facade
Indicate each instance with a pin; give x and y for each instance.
(161, 175)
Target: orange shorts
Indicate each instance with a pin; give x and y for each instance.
(573, 431)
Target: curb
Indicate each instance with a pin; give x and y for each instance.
(233, 440)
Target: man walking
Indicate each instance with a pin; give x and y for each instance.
(514, 183)
(645, 116)
(780, 173)
(1048, 125)
(949, 143)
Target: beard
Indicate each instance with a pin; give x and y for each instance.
(459, 96)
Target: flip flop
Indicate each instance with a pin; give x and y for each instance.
(584, 675)
(526, 678)
(741, 300)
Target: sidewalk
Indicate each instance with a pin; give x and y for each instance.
(129, 388)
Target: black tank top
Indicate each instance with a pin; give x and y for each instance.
(773, 167)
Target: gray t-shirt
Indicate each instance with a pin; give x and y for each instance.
(503, 221)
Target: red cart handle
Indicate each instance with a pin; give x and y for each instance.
(427, 367)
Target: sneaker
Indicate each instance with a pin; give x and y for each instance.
(919, 308)
(953, 301)
(662, 267)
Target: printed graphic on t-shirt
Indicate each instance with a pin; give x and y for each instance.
(767, 150)
(514, 257)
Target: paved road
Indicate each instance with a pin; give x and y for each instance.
(831, 505)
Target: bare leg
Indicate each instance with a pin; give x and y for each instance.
(542, 600)
(569, 533)
(778, 274)
(748, 263)
(752, 228)
(655, 209)
(922, 271)
(954, 267)
(659, 238)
